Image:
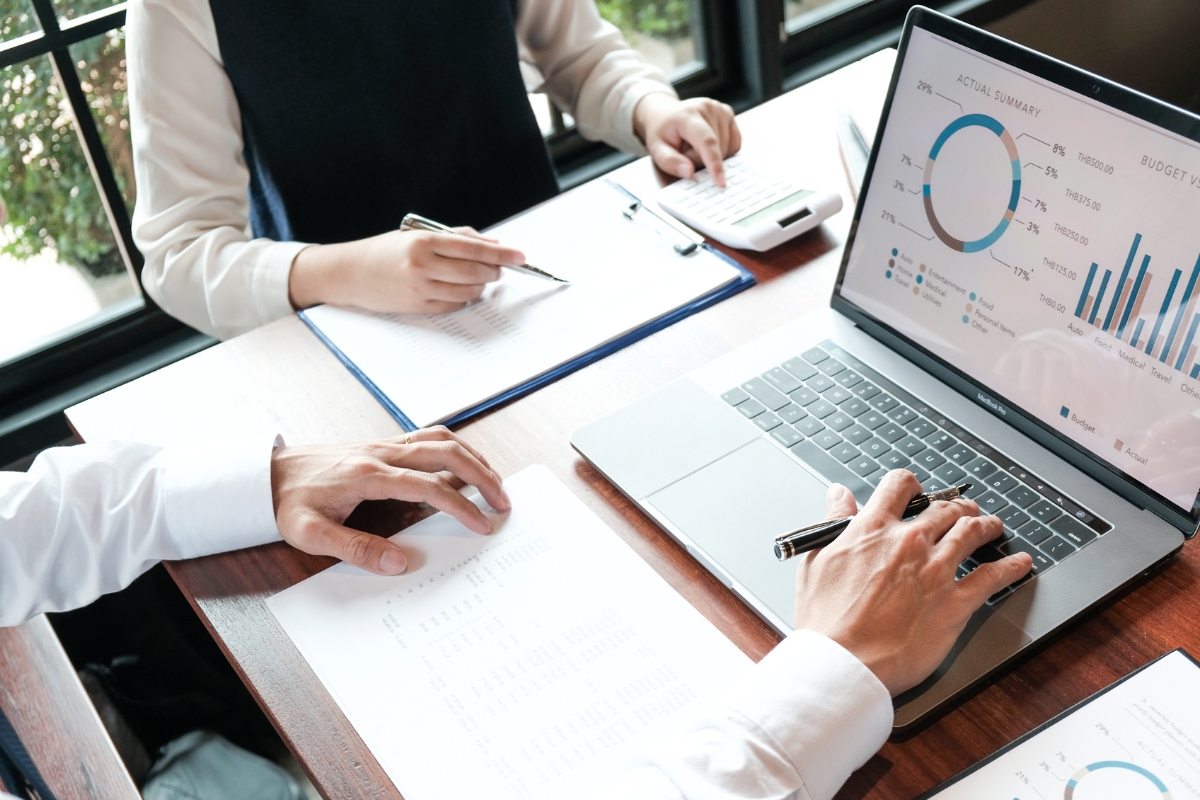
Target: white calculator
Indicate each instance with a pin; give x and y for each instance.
(754, 211)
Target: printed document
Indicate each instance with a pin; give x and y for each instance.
(624, 274)
(525, 664)
(1139, 740)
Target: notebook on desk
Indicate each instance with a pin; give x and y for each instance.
(627, 281)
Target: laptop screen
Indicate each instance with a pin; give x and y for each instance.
(1045, 246)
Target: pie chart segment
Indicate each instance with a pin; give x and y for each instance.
(979, 208)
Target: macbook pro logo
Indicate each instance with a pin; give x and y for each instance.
(990, 403)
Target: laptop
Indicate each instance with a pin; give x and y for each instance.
(1016, 308)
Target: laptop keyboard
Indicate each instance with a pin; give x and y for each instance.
(853, 426)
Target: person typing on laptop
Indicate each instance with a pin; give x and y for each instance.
(876, 611)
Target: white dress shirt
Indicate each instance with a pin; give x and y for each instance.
(87, 520)
(192, 216)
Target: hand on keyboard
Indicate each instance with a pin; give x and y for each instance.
(886, 589)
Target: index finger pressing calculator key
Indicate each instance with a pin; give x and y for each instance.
(754, 211)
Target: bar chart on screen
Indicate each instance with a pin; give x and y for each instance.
(1119, 303)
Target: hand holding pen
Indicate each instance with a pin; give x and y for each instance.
(811, 537)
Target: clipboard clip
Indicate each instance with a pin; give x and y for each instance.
(694, 240)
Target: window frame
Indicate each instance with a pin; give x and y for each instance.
(104, 341)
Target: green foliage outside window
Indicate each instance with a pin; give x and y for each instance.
(49, 199)
(663, 19)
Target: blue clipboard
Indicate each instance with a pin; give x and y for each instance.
(744, 280)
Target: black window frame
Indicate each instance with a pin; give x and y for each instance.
(110, 347)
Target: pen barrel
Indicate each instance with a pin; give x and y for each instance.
(810, 538)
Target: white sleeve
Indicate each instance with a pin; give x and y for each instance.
(191, 221)
(589, 70)
(87, 520)
(801, 721)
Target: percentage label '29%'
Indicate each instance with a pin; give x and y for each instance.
(922, 86)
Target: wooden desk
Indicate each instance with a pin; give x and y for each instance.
(52, 714)
(281, 378)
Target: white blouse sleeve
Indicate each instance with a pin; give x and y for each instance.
(589, 70)
(192, 216)
(801, 721)
(87, 520)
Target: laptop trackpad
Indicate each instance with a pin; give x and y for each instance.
(735, 507)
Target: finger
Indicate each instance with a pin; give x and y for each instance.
(839, 502)
(451, 456)
(469, 248)
(939, 518)
(670, 160)
(697, 132)
(734, 143)
(440, 433)
(467, 230)
(893, 494)
(455, 270)
(439, 307)
(453, 292)
(967, 535)
(419, 486)
(368, 551)
(987, 579)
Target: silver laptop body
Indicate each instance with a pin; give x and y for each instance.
(1025, 320)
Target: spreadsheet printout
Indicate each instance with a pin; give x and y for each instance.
(623, 274)
(524, 664)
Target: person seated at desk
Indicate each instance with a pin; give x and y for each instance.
(877, 610)
(260, 127)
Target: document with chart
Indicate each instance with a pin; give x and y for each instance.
(1137, 740)
(626, 281)
(1040, 239)
(524, 664)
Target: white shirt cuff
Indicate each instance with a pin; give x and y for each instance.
(826, 711)
(623, 136)
(218, 496)
(269, 281)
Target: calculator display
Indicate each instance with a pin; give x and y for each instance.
(778, 205)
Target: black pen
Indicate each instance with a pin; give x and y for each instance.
(810, 537)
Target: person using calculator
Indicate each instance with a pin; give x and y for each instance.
(277, 147)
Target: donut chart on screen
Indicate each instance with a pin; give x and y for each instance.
(991, 124)
(1069, 792)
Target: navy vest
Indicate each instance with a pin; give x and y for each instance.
(357, 112)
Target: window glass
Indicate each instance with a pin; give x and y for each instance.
(67, 10)
(100, 62)
(801, 13)
(664, 32)
(60, 266)
(16, 19)
(661, 30)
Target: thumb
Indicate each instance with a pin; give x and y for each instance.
(670, 160)
(365, 550)
(839, 502)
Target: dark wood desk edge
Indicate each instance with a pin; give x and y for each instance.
(51, 712)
